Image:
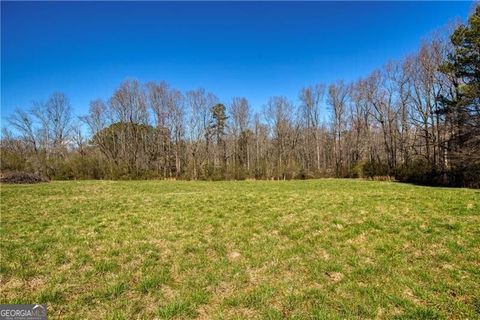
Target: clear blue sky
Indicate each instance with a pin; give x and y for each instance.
(251, 49)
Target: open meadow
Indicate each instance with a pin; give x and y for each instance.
(321, 249)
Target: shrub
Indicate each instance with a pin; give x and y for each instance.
(370, 169)
(418, 171)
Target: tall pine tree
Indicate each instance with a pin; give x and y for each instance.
(461, 107)
(219, 123)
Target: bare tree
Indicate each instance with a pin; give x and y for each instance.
(337, 99)
(280, 113)
(59, 113)
(198, 133)
(240, 118)
(128, 107)
(311, 98)
(176, 119)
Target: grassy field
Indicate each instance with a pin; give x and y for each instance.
(319, 249)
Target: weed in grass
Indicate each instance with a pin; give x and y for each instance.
(176, 308)
(151, 282)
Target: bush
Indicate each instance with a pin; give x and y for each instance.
(472, 177)
(468, 176)
(369, 169)
(420, 171)
(357, 170)
(11, 161)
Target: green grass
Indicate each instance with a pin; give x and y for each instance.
(319, 249)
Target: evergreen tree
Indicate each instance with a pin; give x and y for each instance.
(461, 106)
(219, 121)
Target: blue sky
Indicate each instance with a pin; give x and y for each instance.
(251, 49)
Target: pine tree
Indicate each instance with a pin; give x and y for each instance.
(461, 107)
(219, 121)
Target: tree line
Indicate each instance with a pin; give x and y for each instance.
(417, 119)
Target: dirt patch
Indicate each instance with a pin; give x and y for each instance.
(408, 293)
(357, 240)
(335, 276)
(36, 283)
(323, 254)
(234, 255)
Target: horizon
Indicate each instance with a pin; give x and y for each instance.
(284, 47)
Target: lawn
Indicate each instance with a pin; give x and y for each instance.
(317, 249)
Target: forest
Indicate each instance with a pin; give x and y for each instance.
(415, 120)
